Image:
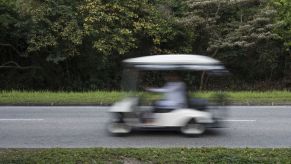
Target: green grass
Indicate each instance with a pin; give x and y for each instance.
(105, 97)
(59, 98)
(145, 155)
(255, 97)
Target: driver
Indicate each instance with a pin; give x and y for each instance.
(174, 93)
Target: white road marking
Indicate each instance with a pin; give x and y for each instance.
(19, 119)
(238, 120)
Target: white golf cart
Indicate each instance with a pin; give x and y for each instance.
(128, 114)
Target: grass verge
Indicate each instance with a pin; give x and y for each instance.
(146, 155)
(105, 97)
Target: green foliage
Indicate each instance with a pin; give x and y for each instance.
(240, 33)
(283, 8)
(13, 29)
(118, 26)
(57, 23)
(78, 45)
(109, 27)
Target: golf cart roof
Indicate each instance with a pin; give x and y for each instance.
(175, 62)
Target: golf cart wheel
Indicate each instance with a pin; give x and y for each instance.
(192, 128)
(118, 129)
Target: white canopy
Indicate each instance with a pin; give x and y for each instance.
(173, 59)
(175, 62)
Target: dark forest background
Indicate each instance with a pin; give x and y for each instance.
(78, 45)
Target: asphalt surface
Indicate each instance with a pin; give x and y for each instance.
(47, 127)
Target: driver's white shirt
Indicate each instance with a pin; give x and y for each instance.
(174, 94)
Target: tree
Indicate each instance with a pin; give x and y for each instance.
(119, 26)
(283, 8)
(74, 44)
(81, 43)
(283, 28)
(13, 29)
(240, 33)
(55, 30)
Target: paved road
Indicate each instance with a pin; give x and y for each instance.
(46, 127)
